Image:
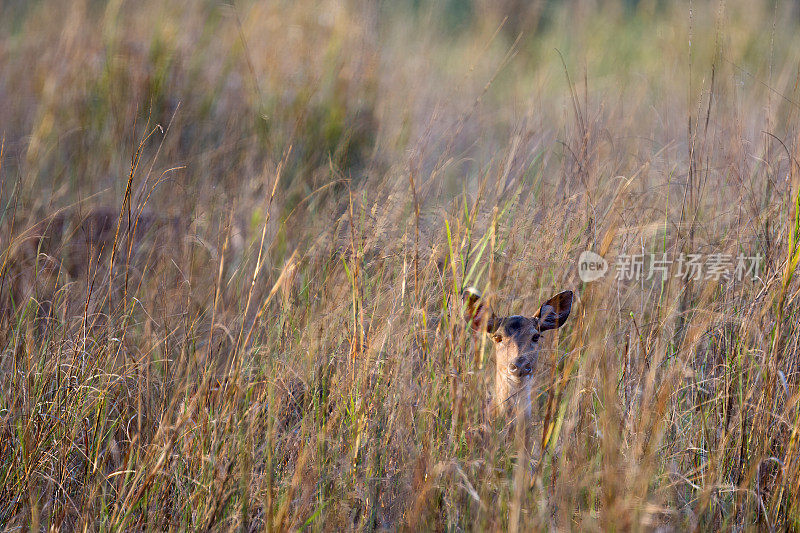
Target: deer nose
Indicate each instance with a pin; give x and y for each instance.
(520, 367)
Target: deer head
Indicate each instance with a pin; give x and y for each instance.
(516, 343)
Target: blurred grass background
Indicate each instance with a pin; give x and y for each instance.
(233, 236)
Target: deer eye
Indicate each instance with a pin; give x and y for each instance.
(535, 337)
(497, 338)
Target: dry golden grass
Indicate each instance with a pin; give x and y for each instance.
(278, 342)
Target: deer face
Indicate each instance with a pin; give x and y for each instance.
(516, 340)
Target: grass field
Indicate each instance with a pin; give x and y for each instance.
(233, 239)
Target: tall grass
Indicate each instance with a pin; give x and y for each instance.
(268, 333)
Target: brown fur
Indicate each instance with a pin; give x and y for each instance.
(73, 249)
(516, 343)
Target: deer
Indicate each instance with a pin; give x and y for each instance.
(516, 346)
(70, 246)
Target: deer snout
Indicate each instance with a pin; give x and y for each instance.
(520, 367)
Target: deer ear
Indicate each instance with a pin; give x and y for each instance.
(554, 312)
(476, 311)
